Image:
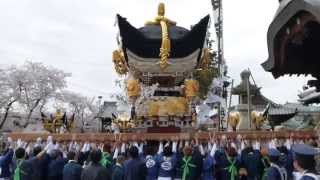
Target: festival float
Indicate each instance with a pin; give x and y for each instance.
(158, 61)
(160, 64)
(58, 121)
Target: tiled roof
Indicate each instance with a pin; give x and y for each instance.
(281, 111)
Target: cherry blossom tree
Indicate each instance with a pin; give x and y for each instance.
(10, 91)
(30, 86)
(39, 83)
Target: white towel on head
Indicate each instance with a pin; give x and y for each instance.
(164, 178)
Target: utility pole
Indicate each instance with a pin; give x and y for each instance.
(249, 102)
(217, 13)
(218, 19)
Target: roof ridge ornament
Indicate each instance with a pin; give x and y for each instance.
(164, 22)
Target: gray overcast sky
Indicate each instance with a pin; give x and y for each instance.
(78, 36)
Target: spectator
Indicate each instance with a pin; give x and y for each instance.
(106, 160)
(5, 160)
(276, 170)
(39, 163)
(227, 163)
(23, 170)
(95, 171)
(188, 164)
(72, 170)
(118, 171)
(56, 165)
(150, 161)
(304, 161)
(134, 168)
(167, 160)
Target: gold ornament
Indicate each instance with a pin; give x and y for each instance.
(172, 106)
(165, 43)
(205, 60)
(119, 61)
(234, 119)
(133, 88)
(191, 88)
(257, 119)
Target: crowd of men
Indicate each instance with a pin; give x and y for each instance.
(167, 160)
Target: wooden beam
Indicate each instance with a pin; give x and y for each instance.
(102, 137)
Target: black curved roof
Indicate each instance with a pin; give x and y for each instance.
(146, 41)
(286, 11)
(154, 32)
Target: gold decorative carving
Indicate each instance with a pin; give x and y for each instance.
(257, 119)
(119, 61)
(233, 120)
(191, 88)
(53, 125)
(172, 106)
(205, 60)
(133, 88)
(165, 43)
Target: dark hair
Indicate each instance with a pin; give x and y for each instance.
(107, 147)
(95, 155)
(36, 150)
(55, 154)
(71, 155)
(283, 149)
(187, 151)
(3, 147)
(149, 150)
(231, 151)
(120, 159)
(20, 153)
(306, 162)
(167, 151)
(134, 152)
(274, 159)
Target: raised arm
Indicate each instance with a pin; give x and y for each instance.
(174, 146)
(160, 150)
(116, 152)
(141, 148)
(123, 148)
(9, 154)
(213, 150)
